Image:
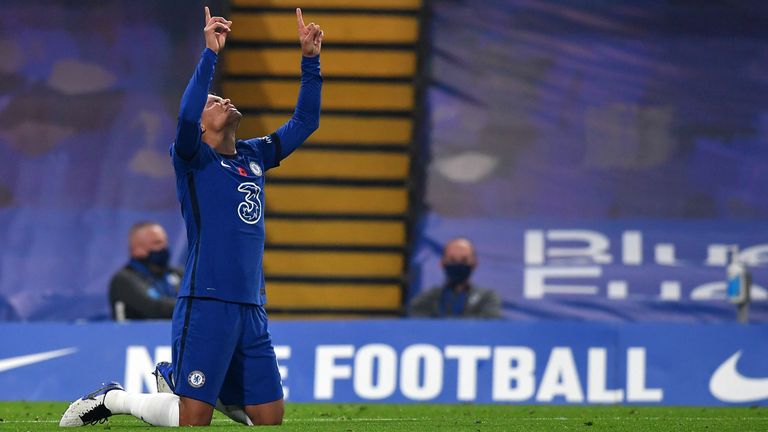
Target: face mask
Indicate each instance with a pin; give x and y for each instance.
(158, 258)
(457, 272)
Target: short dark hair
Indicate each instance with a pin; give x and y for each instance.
(139, 225)
(456, 239)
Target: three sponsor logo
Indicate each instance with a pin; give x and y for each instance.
(249, 210)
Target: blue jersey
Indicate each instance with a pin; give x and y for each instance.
(222, 196)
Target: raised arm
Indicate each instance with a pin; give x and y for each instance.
(306, 116)
(196, 94)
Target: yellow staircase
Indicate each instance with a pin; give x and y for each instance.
(337, 209)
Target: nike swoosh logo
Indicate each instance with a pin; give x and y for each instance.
(25, 360)
(728, 385)
(225, 165)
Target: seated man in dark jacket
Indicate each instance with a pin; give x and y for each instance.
(457, 297)
(146, 287)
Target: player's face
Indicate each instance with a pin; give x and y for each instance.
(219, 113)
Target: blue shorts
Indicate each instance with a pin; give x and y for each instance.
(224, 350)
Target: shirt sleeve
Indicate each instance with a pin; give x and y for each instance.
(305, 120)
(268, 147)
(188, 133)
(203, 156)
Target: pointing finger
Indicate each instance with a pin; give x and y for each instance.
(207, 14)
(300, 19)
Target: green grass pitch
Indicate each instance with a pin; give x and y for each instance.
(44, 416)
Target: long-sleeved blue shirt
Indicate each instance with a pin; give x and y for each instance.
(222, 196)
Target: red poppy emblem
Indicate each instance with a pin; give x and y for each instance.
(242, 171)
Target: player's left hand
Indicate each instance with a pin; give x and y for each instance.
(310, 36)
(215, 31)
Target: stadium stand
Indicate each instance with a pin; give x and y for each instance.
(338, 210)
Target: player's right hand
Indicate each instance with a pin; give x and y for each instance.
(310, 36)
(215, 31)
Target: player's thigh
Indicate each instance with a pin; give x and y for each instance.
(205, 336)
(270, 413)
(253, 377)
(193, 412)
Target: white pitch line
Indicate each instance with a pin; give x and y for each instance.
(28, 421)
(635, 418)
(386, 419)
(372, 419)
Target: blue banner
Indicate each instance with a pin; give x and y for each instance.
(600, 159)
(409, 361)
(614, 270)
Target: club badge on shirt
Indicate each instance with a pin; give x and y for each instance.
(255, 168)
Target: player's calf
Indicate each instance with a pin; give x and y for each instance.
(166, 384)
(270, 413)
(193, 412)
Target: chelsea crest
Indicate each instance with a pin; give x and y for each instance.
(255, 168)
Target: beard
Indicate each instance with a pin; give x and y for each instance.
(221, 122)
(233, 119)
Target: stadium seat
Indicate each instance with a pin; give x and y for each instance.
(338, 208)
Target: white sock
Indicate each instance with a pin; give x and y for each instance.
(157, 409)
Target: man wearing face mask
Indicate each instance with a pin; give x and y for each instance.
(146, 287)
(457, 297)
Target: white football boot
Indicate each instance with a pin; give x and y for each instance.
(90, 408)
